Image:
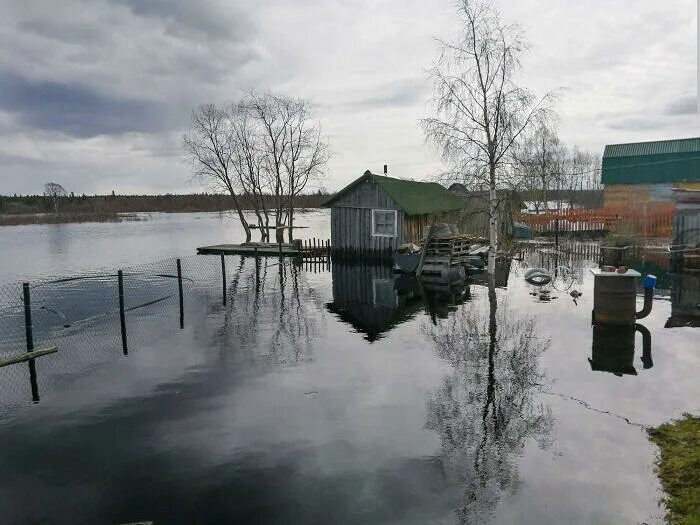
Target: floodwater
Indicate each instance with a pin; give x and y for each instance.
(341, 394)
(33, 250)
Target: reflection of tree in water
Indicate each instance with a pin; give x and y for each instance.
(272, 314)
(485, 411)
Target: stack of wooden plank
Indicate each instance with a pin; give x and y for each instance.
(453, 246)
(444, 253)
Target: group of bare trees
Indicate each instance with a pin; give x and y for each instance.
(267, 147)
(543, 164)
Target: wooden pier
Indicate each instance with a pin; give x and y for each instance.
(304, 249)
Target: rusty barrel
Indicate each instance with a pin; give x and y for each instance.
(614, 297)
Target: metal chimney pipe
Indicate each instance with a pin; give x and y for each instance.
(385, 170)
(649, 285)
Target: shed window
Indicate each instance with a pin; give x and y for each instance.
(384, 223)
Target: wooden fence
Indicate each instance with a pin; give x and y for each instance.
(656, 222)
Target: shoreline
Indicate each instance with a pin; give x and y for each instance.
(62, 218)
(24, 219)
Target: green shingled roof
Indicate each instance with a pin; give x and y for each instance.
(413, 197)
(664, 161)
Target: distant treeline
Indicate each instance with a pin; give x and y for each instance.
(113, 204)
(108, 205)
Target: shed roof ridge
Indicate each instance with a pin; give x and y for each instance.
(380, 176)
(661, 141)
(651, 148)
(412, 196)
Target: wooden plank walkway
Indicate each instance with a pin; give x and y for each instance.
(275, 250)
(306, 249)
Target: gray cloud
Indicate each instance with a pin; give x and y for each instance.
(76, 110)
(96, 93)
(395, 94)
(683, 106)
(193, 19)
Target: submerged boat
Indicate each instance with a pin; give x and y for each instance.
(407, 258)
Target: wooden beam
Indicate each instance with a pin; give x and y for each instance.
(27, 356)
(428, 235)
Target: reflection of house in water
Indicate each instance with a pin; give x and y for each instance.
(685, 300)
(373, 299)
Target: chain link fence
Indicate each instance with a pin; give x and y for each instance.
(97, 317)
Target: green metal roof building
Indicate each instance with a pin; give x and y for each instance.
(645, 173)
(664, 161)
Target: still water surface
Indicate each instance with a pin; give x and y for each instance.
(337, 395)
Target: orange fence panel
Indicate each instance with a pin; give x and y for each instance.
(654, 222)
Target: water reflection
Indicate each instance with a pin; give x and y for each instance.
(486, 410)
(270, 315)
(685, 301)
(373, 299)
(613, 349)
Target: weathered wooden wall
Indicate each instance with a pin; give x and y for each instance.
(415, 226)
(351, 224)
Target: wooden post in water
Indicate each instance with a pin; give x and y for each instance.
(29, 334)
(223, 278)
(122, 318)
(179, 287)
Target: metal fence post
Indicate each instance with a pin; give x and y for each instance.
(122, 317)
(223, 278)
(28, 328)
(29, 334)
(179, 286)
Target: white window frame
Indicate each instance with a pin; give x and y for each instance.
(396, 225)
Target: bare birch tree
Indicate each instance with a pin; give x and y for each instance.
(480, 110)
(209, 147)
(55, 192)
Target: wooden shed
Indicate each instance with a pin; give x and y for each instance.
(373, 215)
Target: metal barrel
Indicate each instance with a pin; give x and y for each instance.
(614, 300)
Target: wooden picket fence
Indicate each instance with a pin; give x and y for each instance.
(654, 222)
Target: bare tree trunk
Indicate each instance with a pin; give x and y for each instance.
(267, 225)
(291, 218)
(493, 222)
(242, 218)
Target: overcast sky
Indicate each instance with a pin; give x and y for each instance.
(95, 94)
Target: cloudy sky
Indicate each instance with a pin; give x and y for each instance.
(95, 94)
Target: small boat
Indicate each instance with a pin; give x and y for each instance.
(407, 258)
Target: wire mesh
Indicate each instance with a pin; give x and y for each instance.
(81, 315)
(264, 307)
